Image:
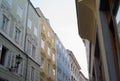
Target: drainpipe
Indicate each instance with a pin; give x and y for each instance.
(25, 41)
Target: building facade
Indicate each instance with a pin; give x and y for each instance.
(12, 37)
(74, 67)
(32, 42)
(19, 59)
(101, 31)
(48, 55)
(63, 62)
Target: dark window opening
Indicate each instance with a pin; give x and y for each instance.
(3, 55)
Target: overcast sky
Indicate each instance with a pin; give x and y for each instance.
(62, 17)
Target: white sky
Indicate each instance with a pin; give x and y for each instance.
(62, 16)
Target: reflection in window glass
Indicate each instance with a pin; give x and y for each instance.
(118, 21)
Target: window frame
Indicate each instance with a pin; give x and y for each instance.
(5, 25)
(33, 51)
(17, 35)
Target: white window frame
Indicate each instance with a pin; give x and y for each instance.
(17, 35)
(5, 23)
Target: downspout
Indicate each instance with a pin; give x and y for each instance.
(25, 41)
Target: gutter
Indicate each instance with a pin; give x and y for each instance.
(25, 40)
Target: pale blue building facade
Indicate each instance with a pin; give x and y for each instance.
(62, 63)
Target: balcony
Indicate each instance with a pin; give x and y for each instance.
(42, 72)
(49, 58)
(49, 78)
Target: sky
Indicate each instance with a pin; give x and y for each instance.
(62, 17)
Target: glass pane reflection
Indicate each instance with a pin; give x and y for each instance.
(118, 21)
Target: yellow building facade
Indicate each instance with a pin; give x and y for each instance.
(48, 67)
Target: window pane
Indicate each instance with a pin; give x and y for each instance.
(4, 51)
(53, 57)
(28, 47)
(9, 2)
(48, 34)
(17, 35)
(32, 73)
(43, 27)
(42, 62)
(42, 43)
(5, 23)
(19, 11)
(35, 31)
(118, 21)
(48, 51)
(29, 24)
(48, 69)
(33, 51)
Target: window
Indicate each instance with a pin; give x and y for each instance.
(17, 34)
(48, 51)
(48, 69)
(5, 23)
(13, 57)
(9, 2)
(3, 55)
(19, 11)
(35, 31)
(28, 46)
(118, 21)
(60, 46)
(43, 27)
(42, 43)
(53, 57)
(53, 73)
(20, 69)
(29, 24)
(42, 62)
(48, 34)
(33, 51)
(32, 74)
(52, 40)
